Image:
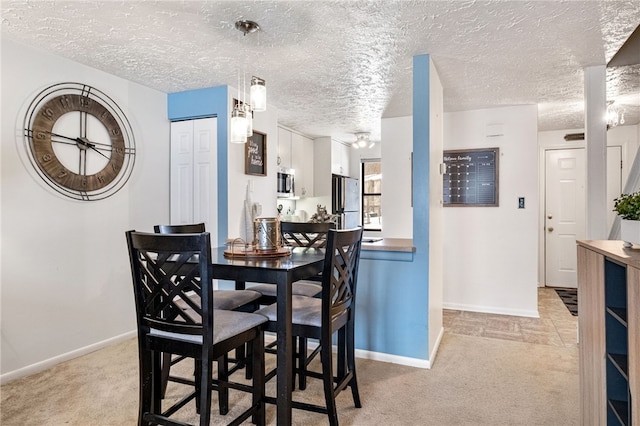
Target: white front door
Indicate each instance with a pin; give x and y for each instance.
(564, 219)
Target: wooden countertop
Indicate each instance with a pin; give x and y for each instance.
(615, 250)
(388, 244)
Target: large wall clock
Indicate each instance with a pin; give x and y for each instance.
(79, 141)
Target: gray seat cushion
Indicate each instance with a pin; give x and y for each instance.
(300, 288)
(225, 299)
(305, 311)
(226, 324)
(233, 299)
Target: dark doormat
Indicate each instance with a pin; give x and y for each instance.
(569, 297)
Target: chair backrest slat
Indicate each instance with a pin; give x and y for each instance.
(305, 234)
(190, 228)
(340, 272)
(167, 273)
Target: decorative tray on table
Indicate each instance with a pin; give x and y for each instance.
(249, 251)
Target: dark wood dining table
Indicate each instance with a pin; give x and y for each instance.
(283, 271)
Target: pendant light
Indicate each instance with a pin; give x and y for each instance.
(615, 115)
(258, 94)
(238, 125)
(242, 113)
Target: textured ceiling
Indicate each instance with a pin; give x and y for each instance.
(337, 67)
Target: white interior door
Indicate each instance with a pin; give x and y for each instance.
(564, 214)
(181, 188)
(194, 183)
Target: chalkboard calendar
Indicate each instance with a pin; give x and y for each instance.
(471, 177)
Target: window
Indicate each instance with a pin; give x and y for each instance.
(372, 195)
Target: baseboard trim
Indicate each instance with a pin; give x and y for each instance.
(393, 359)
(492, 310)
(48, 363)
(51, 362)
(436, 346)
(379, 356)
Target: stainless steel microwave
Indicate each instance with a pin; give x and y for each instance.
(286, 186)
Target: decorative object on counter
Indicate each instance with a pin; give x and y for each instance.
(266, 231)
(248, 214)
(239, 248)
(627, 206)
(255, 155)
(321, 215)
(242, 112)
(302, 214)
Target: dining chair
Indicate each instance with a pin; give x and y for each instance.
(178, 317)
(298, 234)
(333, 313)
(230, 300)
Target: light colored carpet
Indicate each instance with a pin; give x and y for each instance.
(474, 381)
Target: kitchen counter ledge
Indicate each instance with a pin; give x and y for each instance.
(388, 244)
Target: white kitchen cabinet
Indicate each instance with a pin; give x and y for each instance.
(284, 150)
(302, 163)
(330, 156)
(339, 158)
(295, 152)
(194, 179)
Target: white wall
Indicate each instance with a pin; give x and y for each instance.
(491, 253)
(65, 277)
(263, 187)
(397, 145)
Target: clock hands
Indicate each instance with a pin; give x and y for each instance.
(83, 142)
(86, 143)
(63, 137)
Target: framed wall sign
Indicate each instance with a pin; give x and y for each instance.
(255, 154)
(471, 177)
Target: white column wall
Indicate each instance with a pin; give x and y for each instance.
(396, 148)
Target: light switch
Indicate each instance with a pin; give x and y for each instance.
(521, 202)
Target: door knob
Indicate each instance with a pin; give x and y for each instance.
(549, 217)
(550, 229)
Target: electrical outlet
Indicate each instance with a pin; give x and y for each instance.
(521, 202)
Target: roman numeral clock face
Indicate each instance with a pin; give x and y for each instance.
(79, 141)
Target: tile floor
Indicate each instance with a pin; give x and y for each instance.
(555, 327)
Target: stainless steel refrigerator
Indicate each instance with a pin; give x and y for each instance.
(345, 201)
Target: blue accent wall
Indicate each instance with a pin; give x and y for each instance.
(204, 103)
(393, 287)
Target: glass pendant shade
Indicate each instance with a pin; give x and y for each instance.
(615, 115)
(249, 115)
(258, 94)
(238, 126)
